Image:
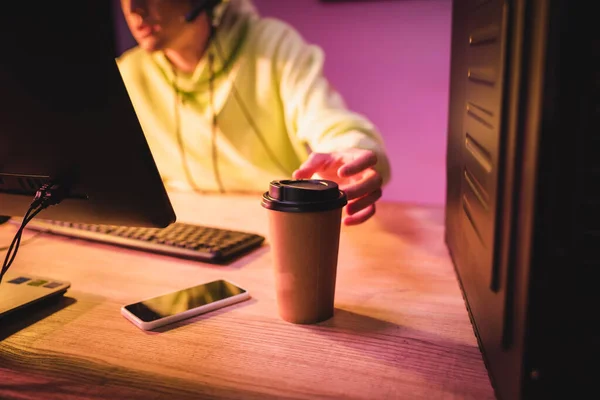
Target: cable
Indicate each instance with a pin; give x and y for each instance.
(46, 196)
(24, 242)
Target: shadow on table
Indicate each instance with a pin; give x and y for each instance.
(247, 258)
(441, 361)
(23, 318)
(420, 226)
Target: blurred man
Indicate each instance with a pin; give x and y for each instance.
(229, 101)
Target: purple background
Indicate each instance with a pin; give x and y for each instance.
(390, 60)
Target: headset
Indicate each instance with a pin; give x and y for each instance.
(201, 7)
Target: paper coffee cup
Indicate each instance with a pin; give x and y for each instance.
(304, 224)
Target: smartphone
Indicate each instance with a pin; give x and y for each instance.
(182, 304)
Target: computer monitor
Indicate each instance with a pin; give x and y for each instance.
(66, 117)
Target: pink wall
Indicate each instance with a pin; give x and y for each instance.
(390, 60)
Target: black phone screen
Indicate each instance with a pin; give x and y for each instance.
(183, 300)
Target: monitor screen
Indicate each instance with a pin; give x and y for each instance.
(66, 118)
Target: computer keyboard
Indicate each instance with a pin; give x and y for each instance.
(190, 241)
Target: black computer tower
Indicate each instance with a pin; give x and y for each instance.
(523, 198)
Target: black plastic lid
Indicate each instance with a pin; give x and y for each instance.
(304, 195)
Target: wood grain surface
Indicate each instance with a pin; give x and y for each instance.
(400, 329)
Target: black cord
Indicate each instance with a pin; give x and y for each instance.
(10, 256)
(47, 195)
(24, 242)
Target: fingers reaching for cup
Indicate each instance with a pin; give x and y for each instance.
(354, 170)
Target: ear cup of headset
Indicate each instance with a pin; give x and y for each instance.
(203, 6)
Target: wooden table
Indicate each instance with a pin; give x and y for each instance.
(400, 331)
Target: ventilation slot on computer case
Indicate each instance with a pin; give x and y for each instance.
(483, 83)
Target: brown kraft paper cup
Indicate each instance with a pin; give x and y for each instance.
(304, 224)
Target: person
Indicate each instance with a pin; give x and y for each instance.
(230, 100)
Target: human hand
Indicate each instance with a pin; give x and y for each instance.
(353, 171)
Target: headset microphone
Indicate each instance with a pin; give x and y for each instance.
(203, 6)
